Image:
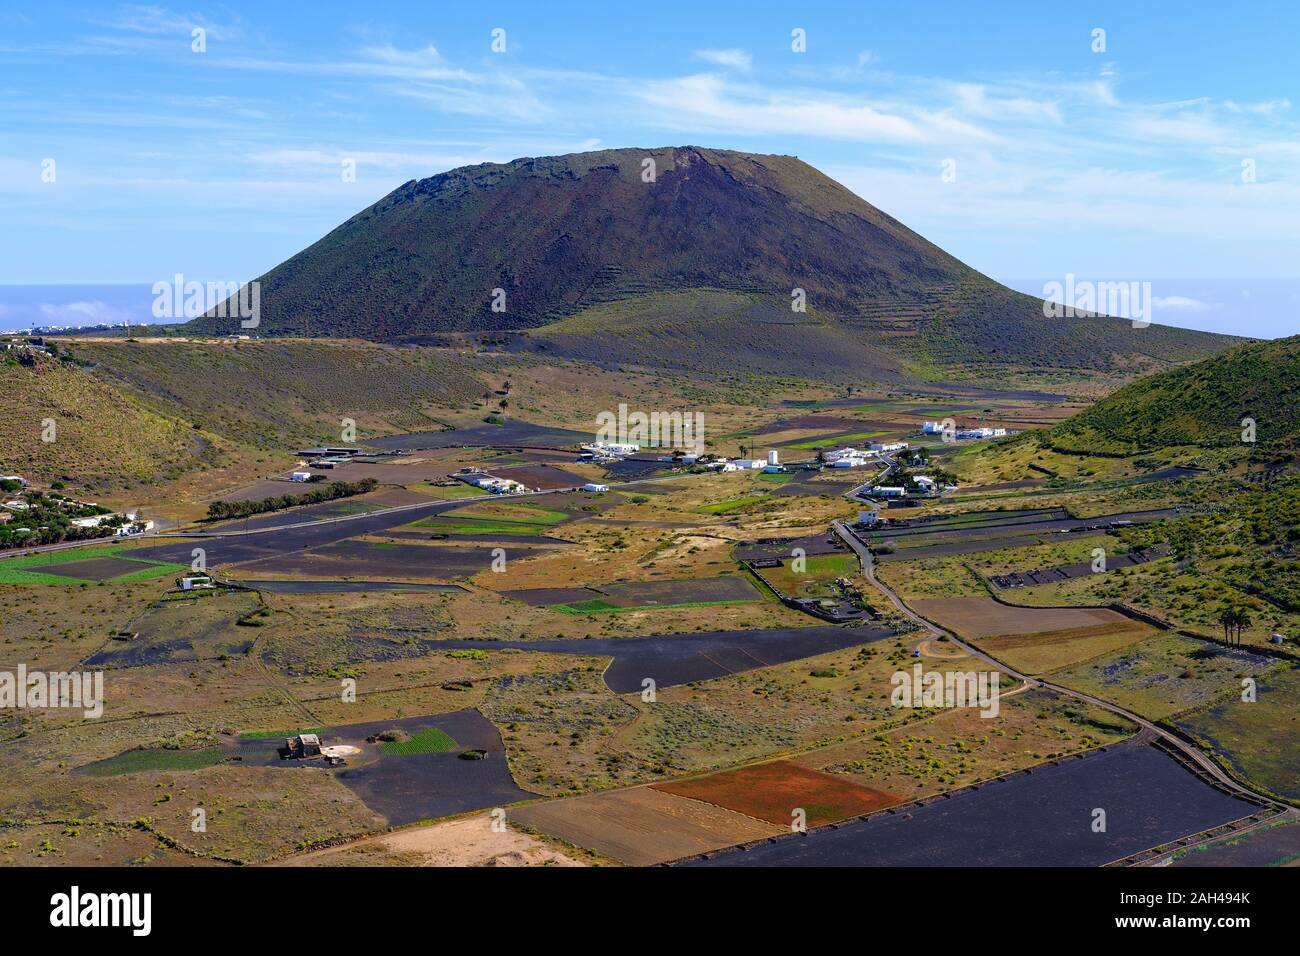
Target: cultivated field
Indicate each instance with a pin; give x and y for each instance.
(643, 826)
(1035, 640)
(775, 791)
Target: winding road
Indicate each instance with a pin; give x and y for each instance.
(1191, 752)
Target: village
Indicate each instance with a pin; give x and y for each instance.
(30, 517)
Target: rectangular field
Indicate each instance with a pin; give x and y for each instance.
(773, 791)
(1149, 798)
(643, 826)
(1036, 640)
(978, 617)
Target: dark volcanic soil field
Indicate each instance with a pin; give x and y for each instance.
(671, 659)
(1040, 818)
(380, 559)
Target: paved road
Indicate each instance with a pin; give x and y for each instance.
(1194, 754)
(305, 534)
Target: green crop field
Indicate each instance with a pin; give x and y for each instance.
(832, 440)
(449, 492)
(819, 571)
(140, 761)
(16, 570)
(732, 504)
(457, 526)
(431, 740)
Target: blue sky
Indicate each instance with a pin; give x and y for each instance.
(1174, 154)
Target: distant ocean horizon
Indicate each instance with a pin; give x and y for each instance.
(1257, 308)
(1260, 308)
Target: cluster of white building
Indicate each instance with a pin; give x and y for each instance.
(497, 486)
(133, 523)
(925, 485)
(847, 458)
(603, 449)
(964, 434)
(771, 464)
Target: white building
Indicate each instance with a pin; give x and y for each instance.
(18, 478)
(747, 463)
(927, 484)
(592, 486)
(16, 505)
(887, 447)
(772, 458)
(498, 486)
(616, 449)
(300, 476)
(888, 491)
(932, 428)
(977, 433)
(846, 458)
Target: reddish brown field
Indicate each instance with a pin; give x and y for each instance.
(980, 617)
(772, 791)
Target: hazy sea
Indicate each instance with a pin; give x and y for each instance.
(1264, 308)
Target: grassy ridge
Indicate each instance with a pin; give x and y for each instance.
(1203, 404)
(102, 438)
(284, 394)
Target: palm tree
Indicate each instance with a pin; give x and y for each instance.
(1242, 622)
(1227, 618)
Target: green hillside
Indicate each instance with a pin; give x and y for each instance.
(1203, 404)
(279, 394)
(570, 235)
(103, 440)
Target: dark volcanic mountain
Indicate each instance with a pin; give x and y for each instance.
(694, 269)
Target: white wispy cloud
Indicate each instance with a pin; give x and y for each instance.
(160, 21)
(710, 102)
(1265, 108)
(1180, 303)
(1034, 151)
(733, 59)
(976, 100)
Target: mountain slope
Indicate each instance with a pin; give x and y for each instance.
(563, 235)
(1203, 404)
(101, 439)
(283, 394)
